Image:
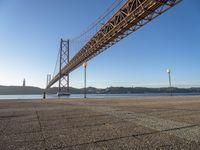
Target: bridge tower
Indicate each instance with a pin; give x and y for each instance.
(63, 89)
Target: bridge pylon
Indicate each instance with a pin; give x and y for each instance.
(63, 89)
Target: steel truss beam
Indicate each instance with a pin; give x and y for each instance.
(130, 17)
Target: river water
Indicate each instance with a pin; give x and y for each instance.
(53, 96)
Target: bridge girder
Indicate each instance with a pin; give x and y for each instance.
(130, 17)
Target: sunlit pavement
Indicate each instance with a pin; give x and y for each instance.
(115, 123)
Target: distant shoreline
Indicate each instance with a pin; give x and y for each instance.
(28, 90)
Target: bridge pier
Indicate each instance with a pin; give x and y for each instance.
(63, 89)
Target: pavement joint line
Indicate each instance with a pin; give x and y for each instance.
(150, 108)
(179, 128)
(41, 128)
(135, 136)
(2, 132)
(98, 124)
(33, 109)
(84, 126)
(30, 132)
(164, 146)
(65, 113)
(25, 141)
(94, 142)
(90, 116)
(54, 119)
(181, 115)
(192, 133)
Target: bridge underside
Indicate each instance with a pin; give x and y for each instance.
(130, 17)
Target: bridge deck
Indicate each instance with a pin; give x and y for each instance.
(130, 17)
(125, 123)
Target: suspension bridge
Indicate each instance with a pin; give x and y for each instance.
(121, 19)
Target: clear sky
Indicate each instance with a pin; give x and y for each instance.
(30, 31)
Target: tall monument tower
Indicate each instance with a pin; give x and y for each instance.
(24, 82)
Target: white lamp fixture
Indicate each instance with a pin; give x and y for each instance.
(168, 70)
(85, 64)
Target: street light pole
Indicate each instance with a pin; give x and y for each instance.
(170, 85)
(85, 66)
(44, 95)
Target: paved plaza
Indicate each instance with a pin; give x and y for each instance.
(101, 124)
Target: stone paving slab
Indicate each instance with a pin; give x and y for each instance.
(17, 127)
(23, 146)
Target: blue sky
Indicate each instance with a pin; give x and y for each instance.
(30, 31)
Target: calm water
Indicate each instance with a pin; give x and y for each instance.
(10, 97)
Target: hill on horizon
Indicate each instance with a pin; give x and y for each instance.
(20, 90)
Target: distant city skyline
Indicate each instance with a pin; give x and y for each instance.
(30, 32)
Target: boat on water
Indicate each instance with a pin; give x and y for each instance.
(63, 94)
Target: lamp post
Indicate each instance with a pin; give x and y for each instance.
(170, 85)
(44, 95)
(85, 66)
